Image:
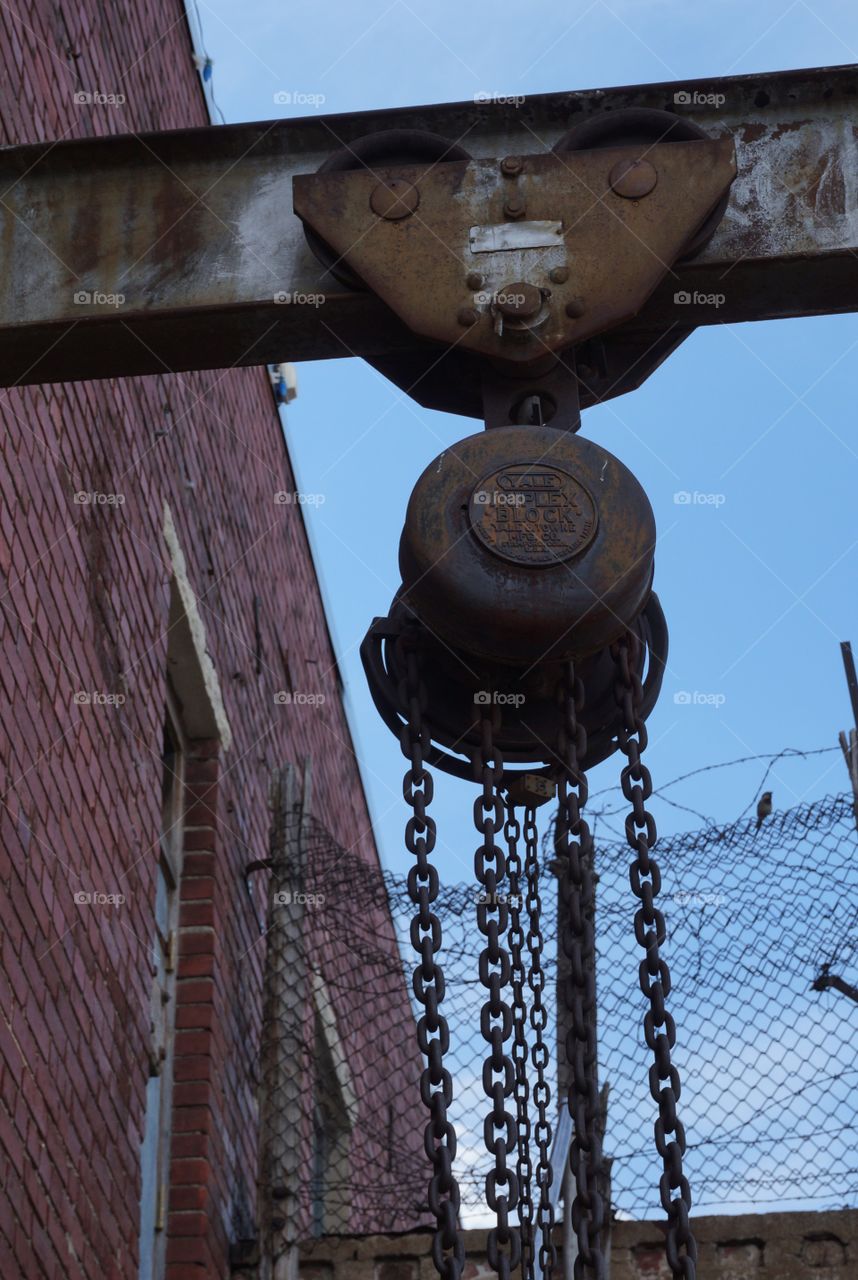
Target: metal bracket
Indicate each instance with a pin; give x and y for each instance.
(522, 257)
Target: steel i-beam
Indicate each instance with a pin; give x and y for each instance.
(173, 251)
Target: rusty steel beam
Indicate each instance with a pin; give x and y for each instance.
(195, 230)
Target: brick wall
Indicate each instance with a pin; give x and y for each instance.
(84, 609)
(784, 1246)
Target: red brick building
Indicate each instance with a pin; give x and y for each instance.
(157, 599)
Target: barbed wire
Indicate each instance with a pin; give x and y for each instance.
(769, 1062)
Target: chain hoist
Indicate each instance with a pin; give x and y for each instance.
(518, 516)
(525, 644)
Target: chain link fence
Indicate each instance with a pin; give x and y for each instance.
(768, 1061)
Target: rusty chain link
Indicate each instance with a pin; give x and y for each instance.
(539, 1051)
(574, 851)
(433, 1037)
(654, 975)
(515, 943)
(503, 1246)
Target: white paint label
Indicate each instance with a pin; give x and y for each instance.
(516, 235)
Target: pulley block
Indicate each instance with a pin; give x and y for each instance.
(523, 547)
(527, 544)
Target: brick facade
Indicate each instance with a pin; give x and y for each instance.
(84, 611)
(783, 1246)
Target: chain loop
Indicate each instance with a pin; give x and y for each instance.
(650, 932)
(574, 853)
(539, 1052)
(515, 942)
(433, 1036)
(503, 1246)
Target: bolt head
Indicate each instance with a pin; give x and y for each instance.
(515, 208)
(466, 317)
(474, 280)
(558, 275)
(511, 166)
(575, 309)
(633, 179)
(394, 200)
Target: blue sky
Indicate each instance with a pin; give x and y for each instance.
(758, 589)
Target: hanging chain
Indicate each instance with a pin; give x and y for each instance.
(650, 931)
(539, 1052)
(433, 1036)
(515, 942)
(503, 1245)
(574, 850)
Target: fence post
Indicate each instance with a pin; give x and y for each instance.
(283, 1133)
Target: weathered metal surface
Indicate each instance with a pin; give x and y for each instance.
(608, 366)
(195, 228)
(535, 514)
(515, 235)
(613, 249)
(457, 685)
(644, 128)
(546, 394)
(513, 515)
